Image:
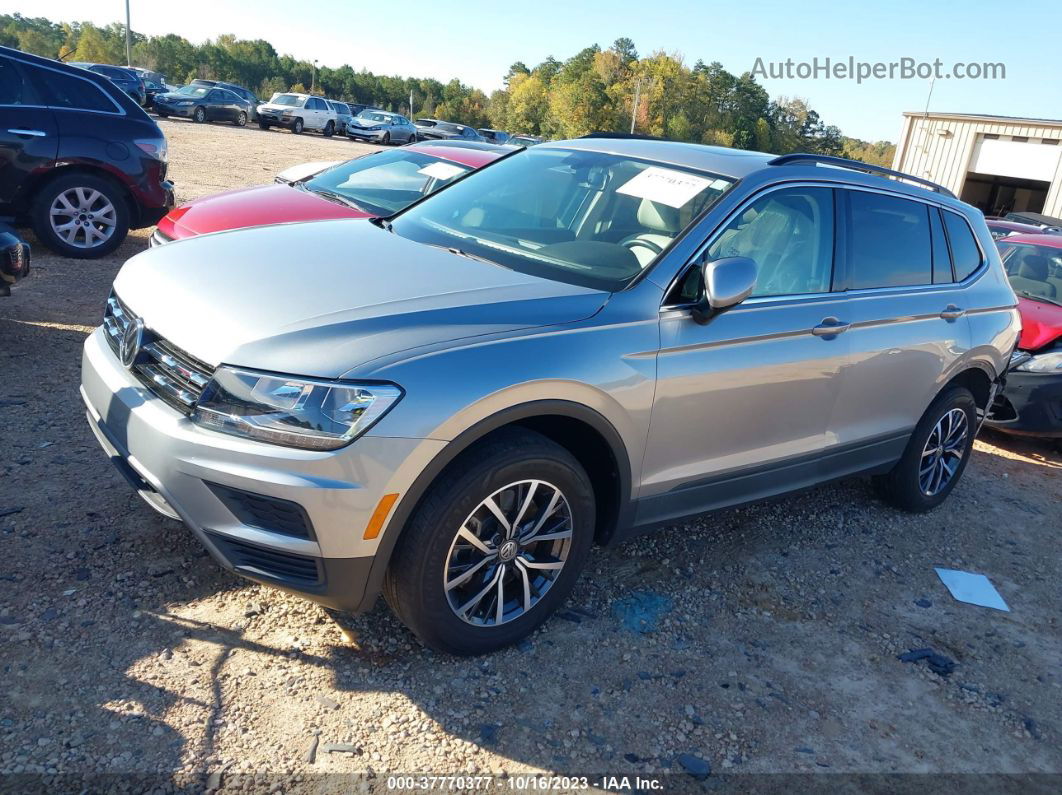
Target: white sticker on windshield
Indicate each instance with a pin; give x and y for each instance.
(664, 185)
(441, 170)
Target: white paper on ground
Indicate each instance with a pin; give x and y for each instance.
(441, 170)
(975, 589)
(664, 185)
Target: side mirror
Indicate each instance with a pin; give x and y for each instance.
(727, 282)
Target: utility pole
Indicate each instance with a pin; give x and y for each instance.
(411, 103)
(128, 47)
(634, 107)
(313, 77)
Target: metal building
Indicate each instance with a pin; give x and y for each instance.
(999, 164)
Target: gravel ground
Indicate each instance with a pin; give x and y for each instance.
(759, 640)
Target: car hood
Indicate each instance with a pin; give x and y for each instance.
(435, 132)
(359, 122)
(1041, 323)
(268, 204)
(173, 96)
(271, 106)
(322, 298)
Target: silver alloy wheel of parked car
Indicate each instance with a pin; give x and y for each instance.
(241, 120)
(83, 211)
(943, 452)
(199, 115)
(508, 553)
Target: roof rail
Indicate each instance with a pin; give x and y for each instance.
(856, 165)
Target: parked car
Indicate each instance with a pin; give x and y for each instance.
(14, 259)
(122, 76)
(382, 127)
(1047, 222)
(524, 140)
(80, 161)
(379, 183)
(237, 89)
(1031, 404)
(433, 129)
(493, 136)
(298, 112)
(203, 103)
(452, 404)
(154, 84)
(1001, 228)
(344, 117)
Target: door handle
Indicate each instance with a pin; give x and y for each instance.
(30, 133)
(830, 327)
(952, 312)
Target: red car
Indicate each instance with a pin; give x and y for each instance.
(1032, 401)
(1001, 227)
(377, 184)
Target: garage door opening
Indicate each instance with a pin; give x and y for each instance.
(995, 195)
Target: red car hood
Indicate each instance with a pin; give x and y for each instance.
(1041, 323)
(268, 204)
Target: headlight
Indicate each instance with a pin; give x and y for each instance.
(1044, 363)
(295, 412)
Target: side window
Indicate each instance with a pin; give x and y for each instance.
(941, 257)
(216, 96)
(964, 248)
(889, 243)
(789, 234)
(12, 89)
(61, 90)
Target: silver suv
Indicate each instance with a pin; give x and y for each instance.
(579, 342)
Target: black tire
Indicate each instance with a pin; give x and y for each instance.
(414, 586)
(162, 114)
(263, 125)
(386, 139)
(241, 120)
(901, 486)
(297, 127)
(40, 213)
(199, 115)
(329, 129)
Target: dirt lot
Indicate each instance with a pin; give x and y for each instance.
(760, 640)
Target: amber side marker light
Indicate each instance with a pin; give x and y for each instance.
(383, 507)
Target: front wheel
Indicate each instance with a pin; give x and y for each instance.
(162, 114)
(199, 116)
(241, 120)
(297, 127)
(495, 546)
(936, 454)
(263, 125)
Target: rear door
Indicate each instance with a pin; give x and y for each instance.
(29, 139)
(907, 315)
(217, 108)
(743, 402)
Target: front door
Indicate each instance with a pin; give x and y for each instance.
(743, 403)
(29, 139)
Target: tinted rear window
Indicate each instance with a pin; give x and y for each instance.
(964, 250)
(62, 90)
(12, 90)
(889, 243)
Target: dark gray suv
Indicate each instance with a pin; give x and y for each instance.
(574, 344)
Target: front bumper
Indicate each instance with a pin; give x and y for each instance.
(276, 119)
(184, 111)
(1031, 405)
(365, 135)
(190, 474)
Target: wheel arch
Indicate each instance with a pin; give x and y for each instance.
(584, 432)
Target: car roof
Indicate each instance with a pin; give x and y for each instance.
(1051, 241)
(469, 153)
(714, 159)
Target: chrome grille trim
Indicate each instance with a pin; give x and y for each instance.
(158, 239)
(176, 377)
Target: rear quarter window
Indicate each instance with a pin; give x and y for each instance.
(61, 90)
(964, 251)
(889, 242)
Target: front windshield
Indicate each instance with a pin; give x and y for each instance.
(386, 182)
(193, 91)
(446, 126)
(1034, 271)
(379, 118)
(287, 99)
(576, 216)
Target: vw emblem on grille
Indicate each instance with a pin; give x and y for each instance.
(132, 338)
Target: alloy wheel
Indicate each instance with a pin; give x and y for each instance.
(508, 553)
(82, 217)
(943, 452)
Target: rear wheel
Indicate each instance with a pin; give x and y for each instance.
(241, 120)
(495, 546)
(936, 454)
(81, 216)
(200, 115)
(297, 127)
(329, 129)
(386, 139)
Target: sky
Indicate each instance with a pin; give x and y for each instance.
(477, 41)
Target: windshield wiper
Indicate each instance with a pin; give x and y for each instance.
(1036, 297)
(462, 253)
(381, 222)
(338, 198)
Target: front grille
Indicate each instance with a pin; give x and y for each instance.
(158, 238)
(171, 374)
(286, 567)
(266, 513)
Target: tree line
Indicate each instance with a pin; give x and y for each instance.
(594, 90)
